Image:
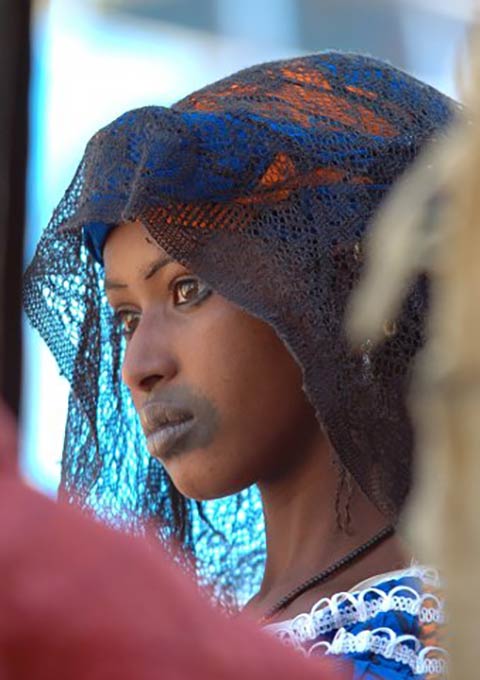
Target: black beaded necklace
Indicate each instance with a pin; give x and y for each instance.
(326, 573)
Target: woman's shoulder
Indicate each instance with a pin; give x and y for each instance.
(389, 624)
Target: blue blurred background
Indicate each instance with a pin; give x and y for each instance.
(94, 59)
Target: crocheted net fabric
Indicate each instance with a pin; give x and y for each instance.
(263, 185)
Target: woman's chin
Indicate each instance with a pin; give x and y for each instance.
(199, 484)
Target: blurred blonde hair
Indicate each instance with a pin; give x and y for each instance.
(431, 223)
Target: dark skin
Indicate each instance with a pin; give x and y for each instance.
(252, 421)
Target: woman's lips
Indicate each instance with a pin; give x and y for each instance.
(156, 414)
(166, 439)
(178, 420)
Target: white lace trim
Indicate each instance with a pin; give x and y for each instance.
(406, 649)
(326, 615)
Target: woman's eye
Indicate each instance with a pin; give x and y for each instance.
(189, 291)
(128, 321)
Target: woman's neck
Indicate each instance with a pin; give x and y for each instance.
(303, 536)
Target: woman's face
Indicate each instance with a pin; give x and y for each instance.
(219, 396)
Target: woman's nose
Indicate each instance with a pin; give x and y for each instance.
(148, 359)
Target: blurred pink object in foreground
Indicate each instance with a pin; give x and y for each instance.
(79, 601)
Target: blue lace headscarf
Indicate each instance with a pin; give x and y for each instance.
(262, 184)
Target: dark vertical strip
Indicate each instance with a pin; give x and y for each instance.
(14, 80)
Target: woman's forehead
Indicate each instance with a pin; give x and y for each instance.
(129, 238)
(130, 247)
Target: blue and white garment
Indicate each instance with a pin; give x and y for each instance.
(388, 627)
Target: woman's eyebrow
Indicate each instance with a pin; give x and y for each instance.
(156, 265)
(146, 272)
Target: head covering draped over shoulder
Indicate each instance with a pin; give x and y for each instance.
(263, 184)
